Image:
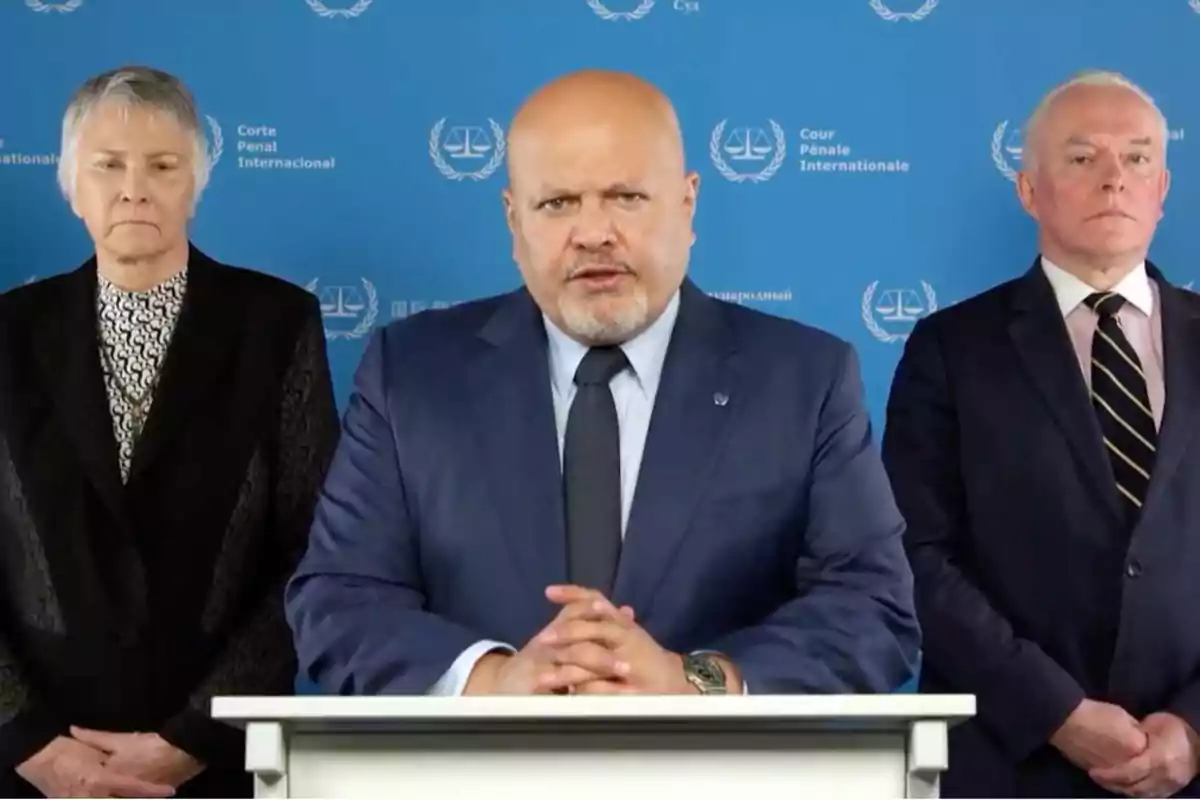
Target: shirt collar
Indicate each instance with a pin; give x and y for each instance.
(1070, 291)
(646, 352)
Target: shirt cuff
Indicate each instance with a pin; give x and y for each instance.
(452, 683)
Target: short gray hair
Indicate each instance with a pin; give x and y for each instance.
(132, 86)
(1091, 77)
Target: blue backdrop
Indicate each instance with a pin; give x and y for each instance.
(856, 155)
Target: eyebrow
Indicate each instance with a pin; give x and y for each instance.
(156, 154)
(615, 188)
(1081, 140)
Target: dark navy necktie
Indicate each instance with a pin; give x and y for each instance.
(592, 473)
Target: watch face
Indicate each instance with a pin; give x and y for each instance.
(708, 671)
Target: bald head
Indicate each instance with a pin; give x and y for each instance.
(599, 203)
(596, 104)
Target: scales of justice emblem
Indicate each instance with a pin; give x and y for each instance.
(747, 147)
(347, 302)
(466, 145)
(748, 144)
(897, 307)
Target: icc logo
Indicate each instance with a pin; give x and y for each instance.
(217, 146)
(1007, 149)
(467, 146)
(323, 10)
(643, 8)
(910, 16)
(898, 309)
(748, 148)
(343, 305)
(62, 8)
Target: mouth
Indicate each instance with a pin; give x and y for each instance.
(600, 275)
(1112, 213)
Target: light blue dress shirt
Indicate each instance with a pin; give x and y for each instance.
(633, 392)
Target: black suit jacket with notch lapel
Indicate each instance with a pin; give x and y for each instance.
(1030, 592)
(127, 607)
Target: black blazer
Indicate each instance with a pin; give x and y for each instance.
(128, 607)
(1029, 593)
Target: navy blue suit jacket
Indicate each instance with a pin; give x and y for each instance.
(763, 527)
(1030, 596)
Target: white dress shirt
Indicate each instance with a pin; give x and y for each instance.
(1139, 319)
(633, 391)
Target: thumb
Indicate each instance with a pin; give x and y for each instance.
(101, 740)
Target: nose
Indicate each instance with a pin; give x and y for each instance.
(1112, 175)
(133, 187)
(593, 227)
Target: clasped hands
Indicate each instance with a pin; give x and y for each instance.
(1153, 758)
(92, 763)
(591, 647)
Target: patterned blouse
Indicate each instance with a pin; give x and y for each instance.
(135, 329)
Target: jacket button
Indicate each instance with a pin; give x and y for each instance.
(1133, 569)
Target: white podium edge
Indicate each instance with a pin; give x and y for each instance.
(266, 720)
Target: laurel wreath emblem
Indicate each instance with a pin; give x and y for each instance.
(714, 151)
(998, 150)
(601, 11)
(868, 313)
(218, 142)
(365, 324)
(325, 11)
(62, 8)
(435, 153)
(1195, 4)
(911, 16)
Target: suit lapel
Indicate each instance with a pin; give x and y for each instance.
(205, 331)
(69, 357)
(1181, 365)
(696, 397)
(1040, 335)
(510, 391)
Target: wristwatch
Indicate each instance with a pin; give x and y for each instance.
(704, 672)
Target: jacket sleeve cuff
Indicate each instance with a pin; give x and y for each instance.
(205, 739)
(1027, 706)
(1186, 705)
(26, 734)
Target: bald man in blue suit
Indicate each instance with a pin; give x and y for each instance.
(606, 481)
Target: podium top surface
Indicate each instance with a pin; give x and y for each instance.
(883, 710)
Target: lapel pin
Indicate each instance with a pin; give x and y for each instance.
(720, 398)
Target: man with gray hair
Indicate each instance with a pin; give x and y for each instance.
(1040, 440)
(166, 424)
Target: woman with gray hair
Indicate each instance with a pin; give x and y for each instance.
(165, 425)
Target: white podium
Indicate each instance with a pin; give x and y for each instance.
(577, 748)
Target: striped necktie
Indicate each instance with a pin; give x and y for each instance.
(1122, 404)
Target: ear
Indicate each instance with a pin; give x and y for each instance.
(1164, 190)
(73, 199)
(691, 191)
(510, 209)
(1025, 193)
